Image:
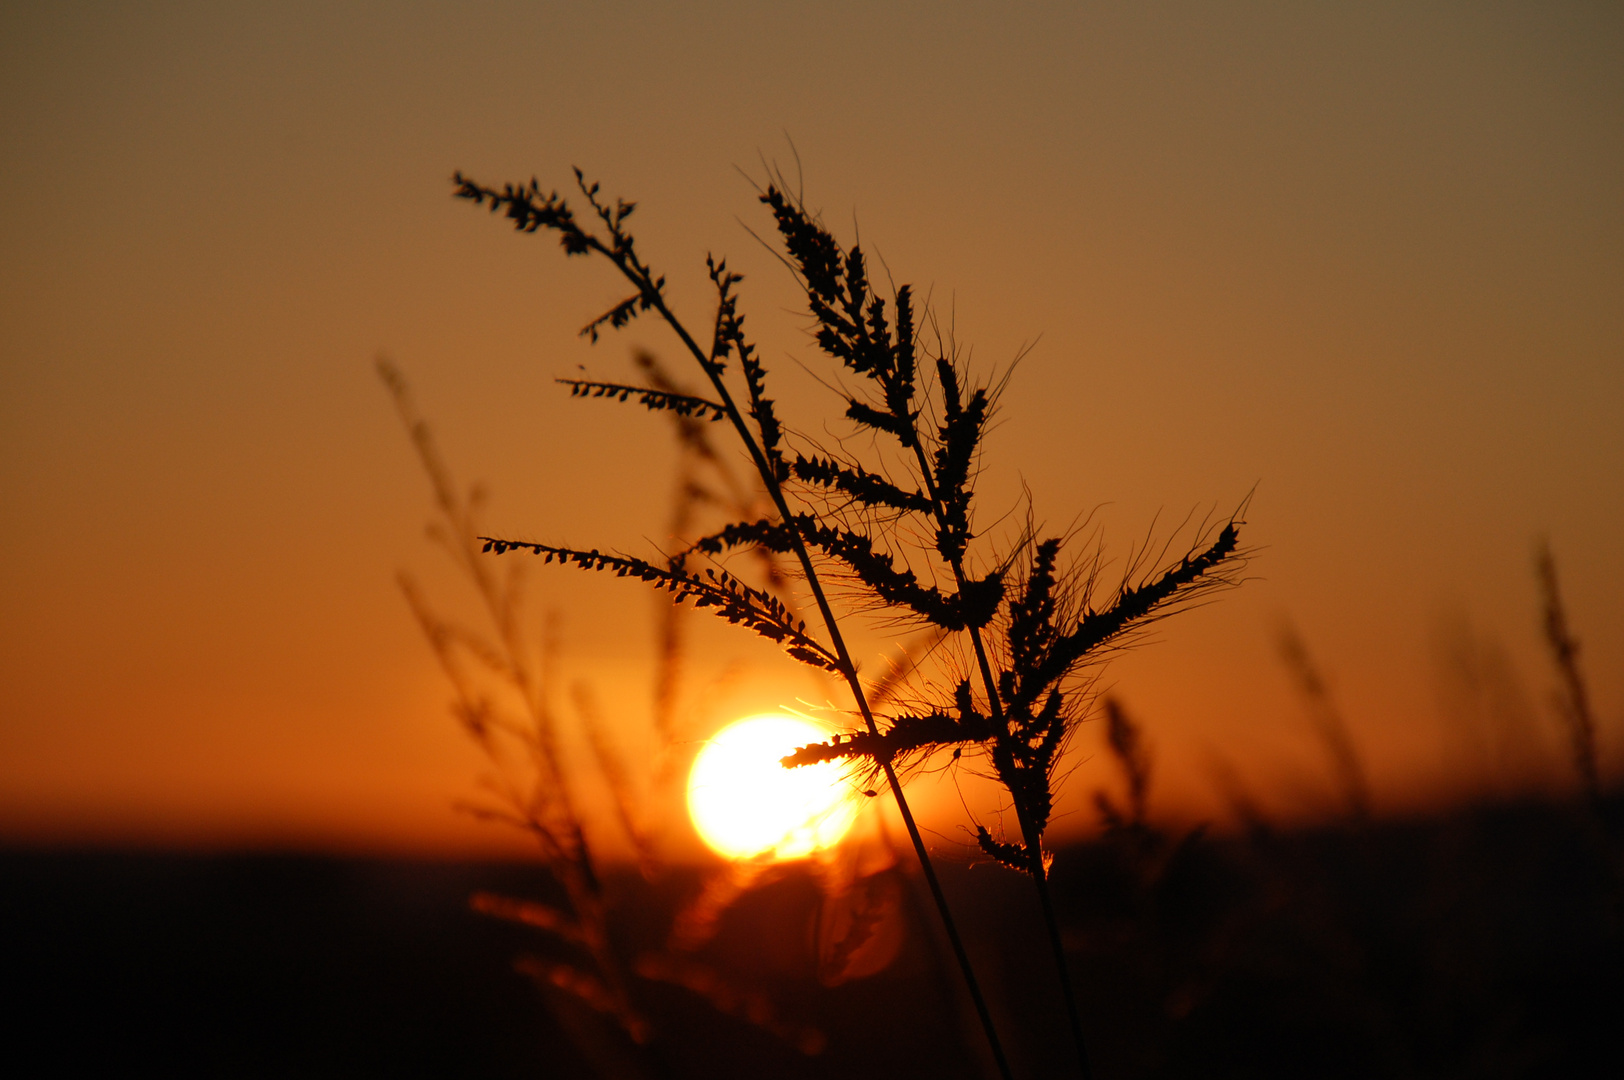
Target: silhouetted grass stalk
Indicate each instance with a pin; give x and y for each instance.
(621, 253)
(1038, 616)
(1031, 832)
(1574, 705)
(546, 811)
(1329, 724)
(533, 793)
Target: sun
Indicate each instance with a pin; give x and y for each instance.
(745, 804)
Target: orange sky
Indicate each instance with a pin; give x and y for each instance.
(1368, 258)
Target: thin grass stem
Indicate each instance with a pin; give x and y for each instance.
(1032, 836)
(650, 295)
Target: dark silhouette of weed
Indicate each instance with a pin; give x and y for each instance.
(1574, 710)
(529, 785)
(1032, 627)
(504, 701)
(1330, 726)
(1126, 740)
(1573, 704)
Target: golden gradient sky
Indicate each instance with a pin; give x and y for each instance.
(1366, 257)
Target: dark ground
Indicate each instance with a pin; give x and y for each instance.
(1484, 944)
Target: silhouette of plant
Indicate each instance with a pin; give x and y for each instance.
(1573, 704)
(529, 786)
(900, 540)
(1330, 727)
(504, 701)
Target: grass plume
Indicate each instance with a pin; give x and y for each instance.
(902, 541)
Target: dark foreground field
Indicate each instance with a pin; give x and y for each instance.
(1485, 944)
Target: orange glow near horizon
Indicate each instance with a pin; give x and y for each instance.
(1362, 261)
(745, 804)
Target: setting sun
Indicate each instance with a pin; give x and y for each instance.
(744, 803)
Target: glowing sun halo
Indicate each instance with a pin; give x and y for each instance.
(744, 803)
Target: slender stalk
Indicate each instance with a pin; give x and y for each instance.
(568, 855)
(650, 294)
(1029, 833)
(1576, 712)
(1040, 878)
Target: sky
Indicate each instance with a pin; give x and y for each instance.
(1362, 263)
